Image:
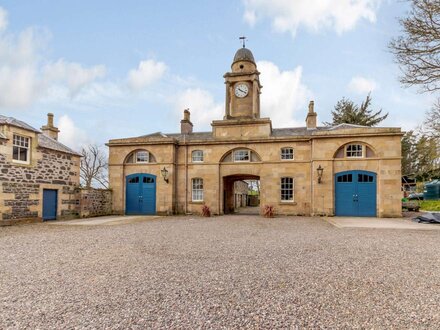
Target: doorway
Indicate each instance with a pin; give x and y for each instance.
(241, 194)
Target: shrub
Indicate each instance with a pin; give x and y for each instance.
(268, 211)
(206, 211)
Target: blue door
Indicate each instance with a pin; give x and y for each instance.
(140, 196)
(50, 199)
(355, 194)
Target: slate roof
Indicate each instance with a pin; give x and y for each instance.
(46, 142)
(43, 140)
(17, 123)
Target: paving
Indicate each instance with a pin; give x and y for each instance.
(229, 272)
(380, 223)
(106, 221)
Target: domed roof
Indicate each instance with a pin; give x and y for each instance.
(244, 54)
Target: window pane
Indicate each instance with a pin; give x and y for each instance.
(197, 189)
(23, 154)
(354, 150)
(241, 155)
(142, 157)
(287, 189)
(197, 156)
(287, 153)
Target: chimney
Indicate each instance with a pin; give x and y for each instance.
(311, 116)
(50, 130)
(186, 127)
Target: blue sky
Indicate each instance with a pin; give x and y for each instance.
(110, 69)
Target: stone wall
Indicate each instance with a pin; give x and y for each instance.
(94, 202)
(21, 188)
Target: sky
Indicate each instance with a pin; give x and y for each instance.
(114, 69)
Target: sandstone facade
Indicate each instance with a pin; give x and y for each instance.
(244, 146)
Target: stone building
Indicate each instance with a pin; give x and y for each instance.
(241, 189)
(345, 170)
(38, 174)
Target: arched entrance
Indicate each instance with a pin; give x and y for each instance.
(241, 194)
(140, 194)
(355, 193)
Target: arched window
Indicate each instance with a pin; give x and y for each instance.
(197, 190)
(287, 153)
(197, 156)
(355, 150)
(240, 155)
(287, 189)
(140, 157)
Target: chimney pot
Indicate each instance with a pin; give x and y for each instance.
(311, 116)
(49, 129)
(186, 126)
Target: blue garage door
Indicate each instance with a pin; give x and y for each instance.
(140, 197)
(50, 199)
(355, 194)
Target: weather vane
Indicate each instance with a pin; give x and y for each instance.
(243, 40)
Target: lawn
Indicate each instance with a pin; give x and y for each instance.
(430, 205)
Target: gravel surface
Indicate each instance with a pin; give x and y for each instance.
(223, 272)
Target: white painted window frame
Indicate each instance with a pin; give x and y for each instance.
(238, 151)
(197, 194)
(28, 148)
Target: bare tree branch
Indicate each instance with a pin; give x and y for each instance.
(94, 167)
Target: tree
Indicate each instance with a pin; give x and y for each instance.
(409, 153)
(349, 113)
(94, 167)
(417, 51)
(432, 122)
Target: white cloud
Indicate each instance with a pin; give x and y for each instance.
(70, 134)
(3, 19)
(315, 15)
(23, 77)
(147, 72)
(202, 106)
(73, 75)
(362, 85)
(283, 95)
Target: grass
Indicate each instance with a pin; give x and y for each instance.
(430, 205)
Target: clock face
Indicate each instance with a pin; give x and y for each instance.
(241, 90)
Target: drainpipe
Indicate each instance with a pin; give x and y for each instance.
(186, 174)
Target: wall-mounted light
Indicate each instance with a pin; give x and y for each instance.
(164, 173)
(320, 171)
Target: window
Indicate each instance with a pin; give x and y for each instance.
(345, 178)
(241, 155)
(287, 189)
(20, 150)
(286, 153)
(142, 157)
(197, 190)
(354, 151)
(197, 156)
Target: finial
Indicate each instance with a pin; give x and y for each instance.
(243, 40)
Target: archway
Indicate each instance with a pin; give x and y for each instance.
(241, 194)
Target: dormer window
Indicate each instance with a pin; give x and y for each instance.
(197, 156)
(20, 149)
(286, 153)
(242, 155)
(354, 151)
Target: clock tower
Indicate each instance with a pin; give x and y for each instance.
(242, 104)
(243, 87)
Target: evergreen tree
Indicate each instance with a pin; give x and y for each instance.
(346, 111)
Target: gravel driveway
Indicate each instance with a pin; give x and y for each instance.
(222, 272)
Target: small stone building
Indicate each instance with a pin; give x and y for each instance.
(344, 170)
(38, 174)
